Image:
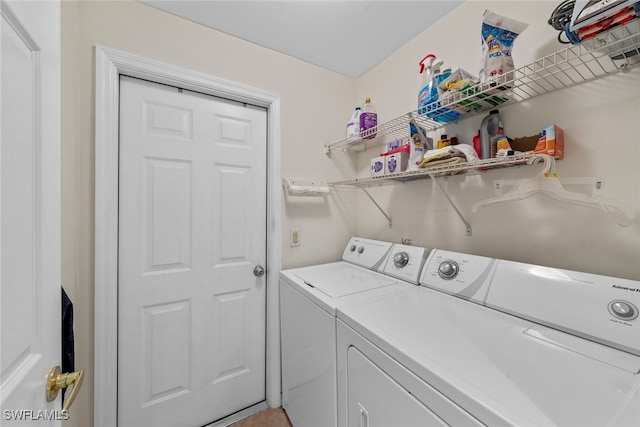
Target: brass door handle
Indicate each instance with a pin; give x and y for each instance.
(56, 381)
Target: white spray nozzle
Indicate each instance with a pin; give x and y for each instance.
(435, 67)
(426, 62)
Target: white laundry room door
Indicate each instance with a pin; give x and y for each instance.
(30, 211)
(192, 246)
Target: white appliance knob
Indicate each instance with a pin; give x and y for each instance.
(400, 259)
(352, 248)
(448, 270)
(623, 309)
(361, 249)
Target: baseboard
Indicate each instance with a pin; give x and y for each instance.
(238, 416)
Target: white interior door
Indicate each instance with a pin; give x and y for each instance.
(29, 210)
(192, 229)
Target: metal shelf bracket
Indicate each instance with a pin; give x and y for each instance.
(378, 206)
(453, 205)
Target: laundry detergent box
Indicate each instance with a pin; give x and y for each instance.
(397, 162)
(551, 142)
(378, 166)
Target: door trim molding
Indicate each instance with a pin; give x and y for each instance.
(109, 65)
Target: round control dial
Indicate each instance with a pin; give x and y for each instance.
(352, 248)
(448, 269)
(623, 310)
(361, 249)
(401, 259)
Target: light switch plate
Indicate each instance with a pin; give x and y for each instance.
(294, 237)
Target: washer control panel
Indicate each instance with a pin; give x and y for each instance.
(595, 307)
(405, 262)
(456, 273)
(367, 253)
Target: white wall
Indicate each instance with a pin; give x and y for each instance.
(601, 121)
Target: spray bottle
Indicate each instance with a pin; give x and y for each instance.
(435, 67)
(435, 92)
(427, 76)
(428, 97)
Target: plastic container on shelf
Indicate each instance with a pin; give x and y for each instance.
(489, 130)
(477, 145)
(425, 89)
(430, 92)
(353, 125)
(368, 120)
(443, 141)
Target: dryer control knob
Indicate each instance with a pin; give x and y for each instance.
(401, 259)
(623, 310)
(448, 270)
(361, 249)
(352, 248)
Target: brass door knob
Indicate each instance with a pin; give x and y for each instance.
(56, 381)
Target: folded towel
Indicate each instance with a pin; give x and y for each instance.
(436, 154)
(467, 151)
(449, 161)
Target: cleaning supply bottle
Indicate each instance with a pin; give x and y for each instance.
(443, 141)
(353, 125)
(433, 109)
(435, 67)
(477, 145)
(429, 95)
(368, 120)
(425, 71)
(500, 128)
(488, 131)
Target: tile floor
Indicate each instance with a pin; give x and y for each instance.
(272, 417)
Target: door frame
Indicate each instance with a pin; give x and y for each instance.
(109, 65)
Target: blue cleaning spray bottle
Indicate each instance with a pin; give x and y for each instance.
(429, 93)
(424, 97)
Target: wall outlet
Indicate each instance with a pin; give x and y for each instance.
(294, 237)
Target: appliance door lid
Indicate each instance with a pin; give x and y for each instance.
(344, 279)
(490, 363)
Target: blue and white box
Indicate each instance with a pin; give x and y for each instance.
(397, 162)
(378, 166)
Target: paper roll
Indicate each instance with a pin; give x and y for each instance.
(300, 188)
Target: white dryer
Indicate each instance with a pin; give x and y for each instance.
(309, 297)
(492, 342)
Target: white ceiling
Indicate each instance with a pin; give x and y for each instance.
(349, 37)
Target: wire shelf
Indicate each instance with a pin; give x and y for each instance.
(606, 53)
(478, 165)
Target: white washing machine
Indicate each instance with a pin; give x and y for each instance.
(309, 297)
(492, 342)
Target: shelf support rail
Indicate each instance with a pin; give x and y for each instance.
(378, 206)
(455, 208)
